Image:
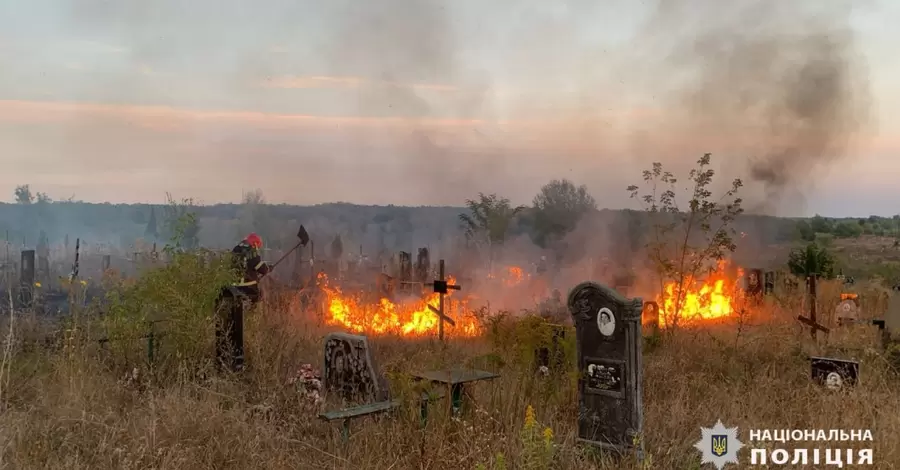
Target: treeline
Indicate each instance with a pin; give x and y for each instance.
(555, 212)
(848, 227)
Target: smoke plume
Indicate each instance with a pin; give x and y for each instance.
(779, 88)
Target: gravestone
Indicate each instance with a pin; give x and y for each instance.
(423, 266)
(847, 311)
(43, 267)
(350, 371)
(753, 284)
(610, 385)
(385, 285)
(405, 261)
(26, 278)
(892, 316)
(834, 374)
(552, 356)
(770, 280)
(650, 317)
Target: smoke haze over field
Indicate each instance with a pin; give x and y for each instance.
(427, 102)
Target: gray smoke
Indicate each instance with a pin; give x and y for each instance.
(779, 88)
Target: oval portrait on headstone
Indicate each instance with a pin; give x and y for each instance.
(833, 381)
(606, 322)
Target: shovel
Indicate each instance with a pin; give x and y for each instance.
(304, 239)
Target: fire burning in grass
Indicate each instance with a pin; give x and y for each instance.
(713, 298)
(411, 318)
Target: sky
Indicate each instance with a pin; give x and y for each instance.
(423, 102)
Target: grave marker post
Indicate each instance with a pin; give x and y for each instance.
(441, 287)
(26, 278)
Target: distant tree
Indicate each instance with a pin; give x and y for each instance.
(182, 227)
(23, 194)
(139, 215)
(821, 224)
(558, 208)
(254, 216)
(151, 231)
(812, 259)
(489, 218)
(847, 229)
(805, 231)
(488, 222)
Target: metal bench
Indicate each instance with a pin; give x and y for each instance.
(346, 414)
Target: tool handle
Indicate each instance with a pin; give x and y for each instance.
(285, 255)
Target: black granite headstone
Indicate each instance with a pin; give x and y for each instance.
(608, 333)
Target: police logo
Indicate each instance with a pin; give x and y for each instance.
(719, 443)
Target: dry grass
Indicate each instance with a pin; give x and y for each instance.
(71, 408)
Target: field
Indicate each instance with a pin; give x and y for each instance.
(71, 404)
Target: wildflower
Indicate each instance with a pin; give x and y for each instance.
(548, 436)
(37, 284)
(530, 421)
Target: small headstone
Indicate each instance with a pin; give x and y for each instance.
(350, 371)
(847, 311)
(423, 266)
(650, 316)
(552, 358)
(405, 261)
(610, 386)
(26, 276)
(753, 286)
(769, 282)
(834, 374)
(27, 279)
(892, 315)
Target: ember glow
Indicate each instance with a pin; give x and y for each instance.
(510, 275)
(713, 298)
(382, 316)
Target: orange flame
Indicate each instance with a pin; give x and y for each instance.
(386, 317)
(712, 299)
(512, 276)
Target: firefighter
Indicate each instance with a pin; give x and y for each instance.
(249, 269)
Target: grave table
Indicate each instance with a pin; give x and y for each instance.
(455, 379)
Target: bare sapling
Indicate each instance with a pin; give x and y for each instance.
(685, 242)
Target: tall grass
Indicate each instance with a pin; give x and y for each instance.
(77, 404)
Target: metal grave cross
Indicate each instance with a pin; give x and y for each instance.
(814, 325)
(441, 287)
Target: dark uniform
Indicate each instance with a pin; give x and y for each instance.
(249, 268)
